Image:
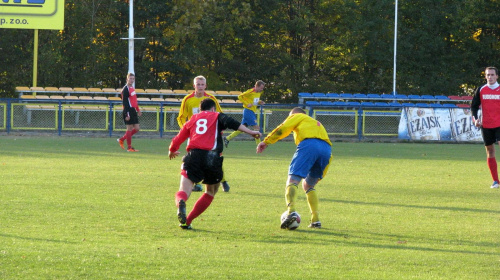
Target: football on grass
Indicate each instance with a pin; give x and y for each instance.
(293, 225)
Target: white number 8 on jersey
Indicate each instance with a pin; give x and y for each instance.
(201, 126)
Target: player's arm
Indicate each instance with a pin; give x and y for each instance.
(261, 102)
(280, 132)
(125, 95)
(474, 106)
(283, 130)
(228, 122)
(255, 134)
(122, 94)
(244, 98)
(173, 150)
(137, 109)
(135, 104)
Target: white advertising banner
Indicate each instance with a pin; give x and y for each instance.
(439, 124)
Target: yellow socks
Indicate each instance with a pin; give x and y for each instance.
(236, 133)
(291, 197)
(313, 201)
(232, 135)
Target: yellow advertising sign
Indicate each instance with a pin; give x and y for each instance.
(32, 14)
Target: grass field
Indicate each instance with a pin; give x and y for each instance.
(81, 208)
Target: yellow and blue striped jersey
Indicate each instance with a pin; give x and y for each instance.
(250, 97)
(191, 105)
(302, 126)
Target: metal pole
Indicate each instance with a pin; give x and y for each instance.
(395, 47)
(131, 39)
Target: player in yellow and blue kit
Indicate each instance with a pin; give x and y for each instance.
(310, 161)
(251, 101)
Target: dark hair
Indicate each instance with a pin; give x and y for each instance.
(492, 68)
(207, 104)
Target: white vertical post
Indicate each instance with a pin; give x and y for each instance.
(395, 47)
(131, 39)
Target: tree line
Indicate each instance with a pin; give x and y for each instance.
(293, 45)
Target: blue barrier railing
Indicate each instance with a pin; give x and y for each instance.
(163, 115)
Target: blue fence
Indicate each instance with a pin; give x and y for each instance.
(355, 120)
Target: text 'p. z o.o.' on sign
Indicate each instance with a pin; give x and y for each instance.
(13, 21)
(28, 7)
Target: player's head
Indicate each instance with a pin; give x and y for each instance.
(491, 75)
(207, 104)
(297, 110)
(199, 78)
(491, 68)
(199, 84)
(259, 86)
(130, 78)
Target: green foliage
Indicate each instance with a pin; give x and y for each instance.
(295, 46)
(82, 208)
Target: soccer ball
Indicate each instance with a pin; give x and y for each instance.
(295, 224)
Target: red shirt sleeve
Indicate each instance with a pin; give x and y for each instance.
(179, 139)
(133, 99)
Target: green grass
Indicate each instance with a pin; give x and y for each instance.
(81, 208)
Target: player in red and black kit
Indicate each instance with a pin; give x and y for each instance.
(131, 113)
(488, 97)
(203, 160)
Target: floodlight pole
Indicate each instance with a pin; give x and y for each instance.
(395, 47)
(131, 39)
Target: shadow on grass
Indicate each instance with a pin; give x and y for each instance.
(401, 239)
(346, 240)
(37, 239)
(323, 200)
(415, 206)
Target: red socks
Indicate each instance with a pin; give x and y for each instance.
(128, 136)
(492, 165)
(180, 195)
(199, 207)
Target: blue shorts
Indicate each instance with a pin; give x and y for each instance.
(311, 159)
(249, 117)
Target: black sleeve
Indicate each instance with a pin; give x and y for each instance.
(475, 103)
(125, 96)
(226, 121)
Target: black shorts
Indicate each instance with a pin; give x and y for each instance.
(203, 165)
(490, 135)
(134, 119)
